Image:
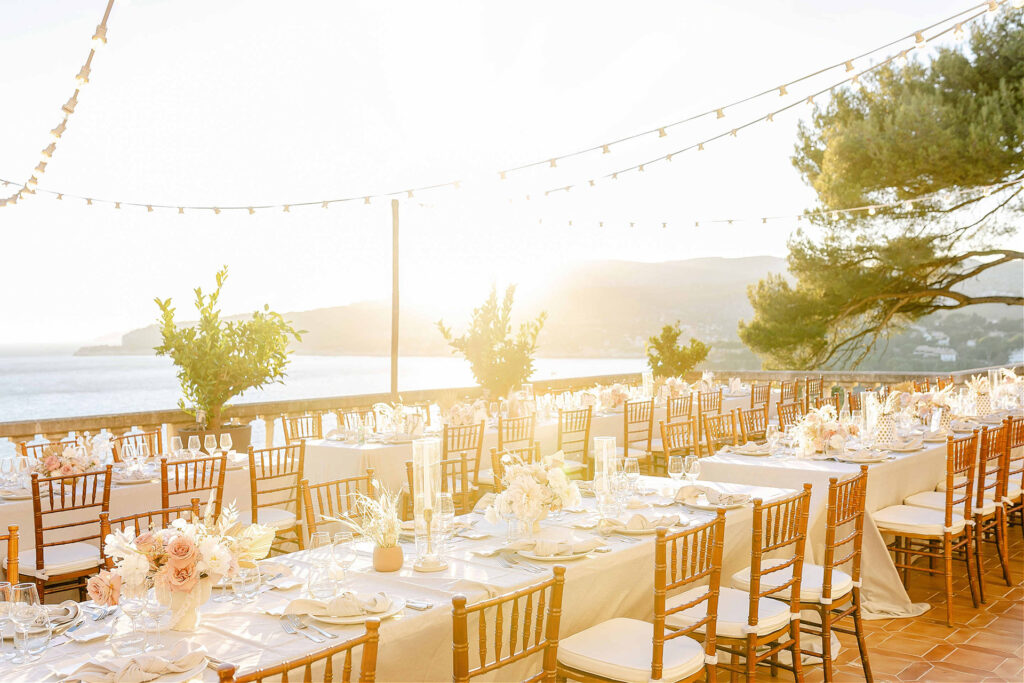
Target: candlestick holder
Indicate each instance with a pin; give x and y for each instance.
(426, 484)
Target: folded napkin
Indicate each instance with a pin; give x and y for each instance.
(751, 448)
(348, 604)
(543, 547)
(142, 667)
(936, 434)
(735, 386)
(484, 502)
(639, 523)
(964, 425)
(692, 494)
(864, 455)
(909, 444)
(635, 503)
(89, 630)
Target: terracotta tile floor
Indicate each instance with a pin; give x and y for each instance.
(985, 644)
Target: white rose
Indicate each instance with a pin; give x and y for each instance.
(219, 560)
(133, 568)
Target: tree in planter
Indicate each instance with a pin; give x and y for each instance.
(668, 358)
(219, 359)
(498, 359)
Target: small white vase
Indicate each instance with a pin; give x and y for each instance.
(185, 605)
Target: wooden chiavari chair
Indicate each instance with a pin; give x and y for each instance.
(514, 432)
(153, 441)
(854, 398)
(35, 450)
(834, 400)
(760, 395)
(826, 589)
(708, 403)
(574, 441)
(351, 419)
(758, 623)
(298, 428)
(789, 413)
(812, 391)
(789, 391)
(637, 430)
(918, 530)
(633, 650)
(455, 479)
(533, 629)
(1013, 499)
(367, 663)
(333, 499)
(921, 386)
(180, 478)
(141, 522)
(943, 382)
(719, 431)
(274, 476)
(465, 441)
(679, 408)
(679, 438)
(527, 454)
(11, 538)
(61, 558)
(753, 423)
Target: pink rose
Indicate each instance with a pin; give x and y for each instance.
(51, 463)
(181, 552)
(104, 589)
(182, 578)
(147, 542)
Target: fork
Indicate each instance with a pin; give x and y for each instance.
(288, 628)
(512, 562)
(299, 622)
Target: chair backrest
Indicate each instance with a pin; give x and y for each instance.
(760, 394)
(719, 430)
(1016, 429)
(681, 559)
(333, 498)
(679, 407)
(279, 672)
(709, 403)
(351, 419)
(274, 476)
(527, 454)
(845, 515)
(35, 450)
(534, 616)
(943, 382)
(141, 522)
(812, 390)
(921, 385)
(753, 422)
(455, 479)
(11, 537)
(464, 441)
(637, 426)
(993, 465)
(574, 434)
(779, 533)
(679, 438)
(179, 478)
(790, 413)
(153, 440)
(516, 431)
(789, 391)
(854, 399)
(84, 495)
(835, 400)
(301, 427)
(961, 460)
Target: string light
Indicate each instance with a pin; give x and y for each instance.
(48, 152)
(83, 76)
(59, 130)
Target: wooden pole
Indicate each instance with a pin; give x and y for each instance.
(394, 299)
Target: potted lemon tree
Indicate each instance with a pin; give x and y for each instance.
(218, 359)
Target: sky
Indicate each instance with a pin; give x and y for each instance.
(249, 102)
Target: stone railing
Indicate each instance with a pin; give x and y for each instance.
(268, 412)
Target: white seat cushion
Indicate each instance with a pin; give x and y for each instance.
(1012, 488)
(59, 559)
(936, 500)
(635, 451)
(911, 519)
(733, 606)
(621, 649)
(485, 478)
(656, 446)
(573, 466)
(958, 481)
(811, 579)
(275, 518)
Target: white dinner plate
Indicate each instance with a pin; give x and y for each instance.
(636, 532)
(879, 457)
(397, 604)
(703, 504)
(905, 449)
(183, 676)
(130, 482)
(16, 496)
(551, 558)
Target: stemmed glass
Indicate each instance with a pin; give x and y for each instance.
(25, 612)
(176, 446)
(225, 442)
(5, 615)
(632, 471)
(692, 468)
(675, 467)
(6, 471)
(772, 437)
(343, 550)
(193, 445)
(210, 444)
(444, 513)
(127, 639)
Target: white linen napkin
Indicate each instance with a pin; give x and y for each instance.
(735, 386)
(964, 425)
(909, 444)
(750, 448)
(639, 523)
(691, 494)
(347, 604)
(143, 667)
(635, 503)
(546, 547)
(484, 502)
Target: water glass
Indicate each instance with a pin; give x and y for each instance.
(142, 450)
(675, 467)
(210, 444)
(126, 638)
(632, 472)
(176, 447)
(5, 615)
(321, 585)
(193, 445)
(31, 640)
(692, 467)
(157, 615)
(444, 513)
(225, 442)
(25, 612)
(772, 437)
(343, 550)
(247, 584)
(320, 547)
(7, 471)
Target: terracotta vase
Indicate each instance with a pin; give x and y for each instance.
(388, 559)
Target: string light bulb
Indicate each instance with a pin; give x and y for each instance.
(993, 5)
(69, 106)
(366, 200)
(958, 32)
(719, 114)
(41, 167)
(51, 148)
(769, 118)
(59, 130)
(324, 205)
(99, 38)
(871, 211)
(181, 210)
(251, 211)
(287, 209)
(553, 162)
(919, 42)
(604, 150)
(849, 66)
(32, 182)
(216, 210)
(83, 75)
(782, 91)
(903, 57)
(661, 133)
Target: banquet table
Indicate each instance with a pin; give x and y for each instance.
(416, 645)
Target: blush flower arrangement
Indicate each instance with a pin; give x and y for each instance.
(613, 397)
(65, 460)
(533, 489)
(821, 427)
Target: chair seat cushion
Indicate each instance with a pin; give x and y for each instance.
(485, 478)
(733, 606)
(637, 451)
(912, 519)
(1013, 490)
(275, 518)
(656, 446)
(812, 579)
(59, 559)
(936, 500)
(573, 466)
(621, 649)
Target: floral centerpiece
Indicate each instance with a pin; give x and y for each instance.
(65, 460)
(821, 428)
(613, 397)
(923, 404)
(677, 386)
(402, 420)
(981, 388)
(376, 519)
(707, 381)
(467, 413)
(183, 561)
(532, 490)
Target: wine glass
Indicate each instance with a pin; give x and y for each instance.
(176, 447)
(320, 546)
(772, 436)
(142, 450)
(225, 442)
(193, 445)
(6, 470)
(632, 471)
(692, 468)
(25, 610)
(444, 513)
(343, 550)
(126, 639)
(675, 467)
(5, 615)
(210, 444)
(247, 584)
